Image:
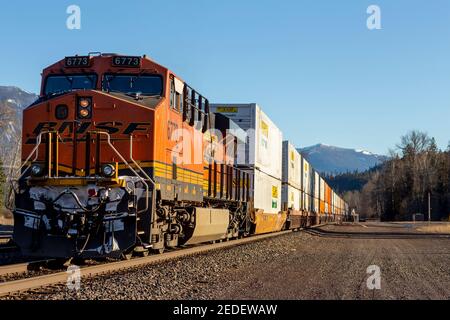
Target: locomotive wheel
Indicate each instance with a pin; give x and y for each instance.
(57, 263)
(143, 253)
(127, 256)
(158, 251)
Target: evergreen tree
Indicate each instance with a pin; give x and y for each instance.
(400, 186)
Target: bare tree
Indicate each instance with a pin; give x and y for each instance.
(414, 142)
(400, 187)
(10, 136)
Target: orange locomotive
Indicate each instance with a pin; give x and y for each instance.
(120, 155)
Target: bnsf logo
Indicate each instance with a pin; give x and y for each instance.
(112, 127)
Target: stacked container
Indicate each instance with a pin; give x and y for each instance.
(281, 178)
(327, 199)
(306, 185)
(261, 155)
(291, 177)
(322, 196)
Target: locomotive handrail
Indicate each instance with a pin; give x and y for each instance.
(137, 165)
(27, 160)
(35, 151)
(108, 136)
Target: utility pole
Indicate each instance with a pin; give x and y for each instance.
(429, 206)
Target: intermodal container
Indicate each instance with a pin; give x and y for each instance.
(261, 155)
(291, 177)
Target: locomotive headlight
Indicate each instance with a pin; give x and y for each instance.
(108, 170)
(37, 170)
(84, 107)
(84, 102)
(84, 113)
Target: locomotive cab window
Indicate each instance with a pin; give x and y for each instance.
(145, 85)
(172, 93)
(179, 101)
(67, 82)
(176, 94)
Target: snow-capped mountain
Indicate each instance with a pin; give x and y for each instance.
(334, 160)
(16, 97)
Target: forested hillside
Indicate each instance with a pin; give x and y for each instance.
(401, 186)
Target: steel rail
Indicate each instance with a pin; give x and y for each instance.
(11, 269)
(27, 284)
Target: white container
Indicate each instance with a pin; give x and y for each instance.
(322, 189)
(291, 177)
(261, 155)
(292, 165)
(316, 191)
(333, 202)
(306, 184)
(336, 204)
(330, 208)
(264, 140)
(266, 191)
(291, 197)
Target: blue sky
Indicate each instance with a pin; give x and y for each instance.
(313, 66)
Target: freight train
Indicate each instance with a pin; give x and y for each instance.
(120, 156)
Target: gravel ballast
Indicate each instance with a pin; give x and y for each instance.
(292, 266)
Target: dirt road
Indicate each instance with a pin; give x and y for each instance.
(325, 267)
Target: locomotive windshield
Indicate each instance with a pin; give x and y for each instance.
(148, 85)
(67, 82)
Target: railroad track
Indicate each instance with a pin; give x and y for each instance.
(18, 268)
(33, 283)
